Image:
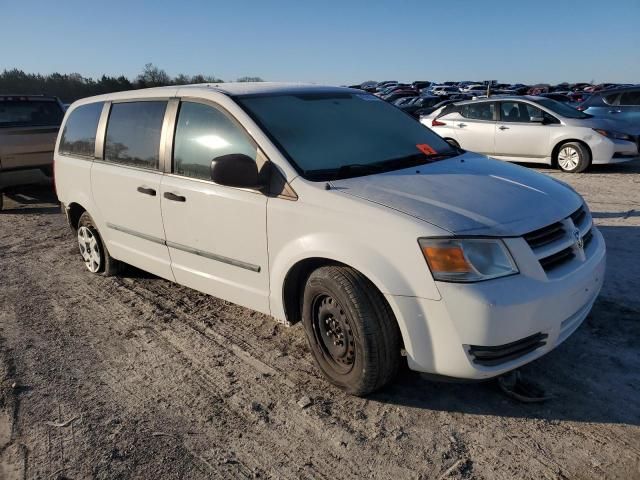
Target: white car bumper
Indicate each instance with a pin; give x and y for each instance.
(519, 318)
(613, 151)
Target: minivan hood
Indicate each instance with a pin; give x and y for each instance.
(599, 122)
(469, 195)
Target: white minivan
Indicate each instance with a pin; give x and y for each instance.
(329, 206)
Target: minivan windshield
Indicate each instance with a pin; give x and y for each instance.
(561, 109)
(340, 134)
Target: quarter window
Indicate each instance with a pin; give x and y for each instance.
(133, 133)
(204, 133)
(79, 134)
(611, 99)
(478, 111)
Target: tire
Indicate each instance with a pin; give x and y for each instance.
(452, 142)
(352, 333)
(573, 157)
(92, 250)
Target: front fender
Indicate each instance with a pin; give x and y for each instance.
(387, 274)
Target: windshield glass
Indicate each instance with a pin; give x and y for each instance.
(30, 113)
(324, 134)
(561, 109)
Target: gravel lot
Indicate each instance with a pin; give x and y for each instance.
(135, 377)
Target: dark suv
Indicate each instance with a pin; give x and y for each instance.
(621, 104)
(29, 126)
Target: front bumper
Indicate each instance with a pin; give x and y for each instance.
(614, 151)
(439, 334)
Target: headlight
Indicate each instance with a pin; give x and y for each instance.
(616, 135)
(467, 259)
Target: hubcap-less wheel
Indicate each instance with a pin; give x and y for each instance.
(334, 334)
(89, 249)
(568, 158)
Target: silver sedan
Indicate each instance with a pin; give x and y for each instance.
(533, 129)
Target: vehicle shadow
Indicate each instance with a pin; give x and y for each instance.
(30, 199)
(623, 215)
(611, 168)
(594, 376)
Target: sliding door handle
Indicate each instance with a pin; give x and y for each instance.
(147, 191)
(174, 197)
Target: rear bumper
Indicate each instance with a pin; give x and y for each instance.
(448, 336)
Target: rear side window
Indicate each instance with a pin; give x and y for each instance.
(630, 98)
(133, 133)
(202, 134)
(30, 112)
(611, 99)
(79, 134)
(478, 111)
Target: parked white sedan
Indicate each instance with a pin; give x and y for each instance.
(533, 129)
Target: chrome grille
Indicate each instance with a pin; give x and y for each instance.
(555, 244)
(545, 235)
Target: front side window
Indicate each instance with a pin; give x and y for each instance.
(478, 111)
(202, 134)
(518, 112)
(133, 133)
(337, 134)
(79, 134)
(630, 98)
(30, 112)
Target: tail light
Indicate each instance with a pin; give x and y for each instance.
(437, 123)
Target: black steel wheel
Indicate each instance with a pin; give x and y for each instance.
(333, 333)
(352, 333)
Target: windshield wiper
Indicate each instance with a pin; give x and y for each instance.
(358, 167)
(417, 159)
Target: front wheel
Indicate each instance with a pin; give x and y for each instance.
(352, 333)
(573, 157)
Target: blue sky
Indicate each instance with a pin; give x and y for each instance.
(335, 42)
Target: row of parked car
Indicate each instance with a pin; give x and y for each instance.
(423, 97)
(571, 126)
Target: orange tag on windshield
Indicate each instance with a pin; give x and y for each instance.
(426, 149)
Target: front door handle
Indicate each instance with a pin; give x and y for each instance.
(147, 191)
(462, 125)
(502, 127)
(174, 197)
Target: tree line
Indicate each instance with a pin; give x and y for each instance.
(72, 86)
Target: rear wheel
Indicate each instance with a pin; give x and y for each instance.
(573, 157)
(351, 330)
(92, 250)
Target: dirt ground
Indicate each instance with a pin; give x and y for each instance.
(135, 377)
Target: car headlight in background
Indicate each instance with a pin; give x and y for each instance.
(467, 259)
(616, 135)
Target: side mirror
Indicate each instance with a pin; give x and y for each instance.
(235, 170)
(537, 119)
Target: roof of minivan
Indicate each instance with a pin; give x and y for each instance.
(252, 88)
(231, 89)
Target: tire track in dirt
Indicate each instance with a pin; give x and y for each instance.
(172, 383)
